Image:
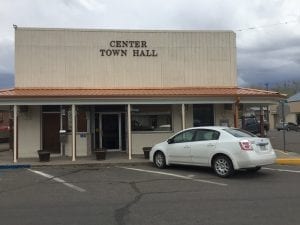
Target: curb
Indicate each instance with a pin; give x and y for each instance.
(92, 165)
(19, 166)
(288, 161)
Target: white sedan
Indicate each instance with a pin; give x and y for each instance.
(222, 148)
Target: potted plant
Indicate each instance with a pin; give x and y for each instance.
(146, 151)
(44, 155)
(100, 154)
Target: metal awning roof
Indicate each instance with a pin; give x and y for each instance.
(168, 95)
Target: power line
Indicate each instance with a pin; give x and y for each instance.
(269, 25)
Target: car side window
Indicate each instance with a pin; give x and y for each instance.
(186, 136)
(206, 135)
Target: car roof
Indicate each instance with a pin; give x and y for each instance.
(211, 127)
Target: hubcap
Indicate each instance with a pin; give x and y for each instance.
(159, 159)
(222, 166)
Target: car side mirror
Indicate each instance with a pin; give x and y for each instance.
(170, 141)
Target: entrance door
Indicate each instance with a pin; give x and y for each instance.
(110, 135)
(51, 127)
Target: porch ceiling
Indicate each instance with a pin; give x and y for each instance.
(169, 95)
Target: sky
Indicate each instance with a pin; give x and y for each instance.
(267, 31)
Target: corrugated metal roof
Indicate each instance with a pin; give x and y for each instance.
(137, 92)
(294, 98)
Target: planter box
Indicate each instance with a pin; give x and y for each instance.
(44, 155)
(146, 151)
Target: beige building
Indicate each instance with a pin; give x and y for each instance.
(121, 90)
(291, 111)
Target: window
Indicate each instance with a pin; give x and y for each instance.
(186, 136)
(203, 115)
(239, 133)
(152, 118)
(1, 116)
(81, 119)
(206, 135)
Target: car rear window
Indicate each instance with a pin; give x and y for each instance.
(239, 133)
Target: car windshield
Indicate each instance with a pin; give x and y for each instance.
(239, 132)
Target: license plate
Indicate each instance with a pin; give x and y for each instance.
(263, 148)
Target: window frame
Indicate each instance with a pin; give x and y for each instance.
(153, 113)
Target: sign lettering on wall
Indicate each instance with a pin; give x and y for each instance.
(126, 48)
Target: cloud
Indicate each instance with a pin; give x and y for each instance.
(267, 52)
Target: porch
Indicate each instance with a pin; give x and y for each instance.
(138, 122)
(112, 159)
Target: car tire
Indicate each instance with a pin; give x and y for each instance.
(223, 167)
(159, 160)
(254, 169)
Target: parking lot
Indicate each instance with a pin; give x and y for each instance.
(292, 140)
(146, 195)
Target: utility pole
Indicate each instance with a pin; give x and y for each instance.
(283, 123)
(267, 117)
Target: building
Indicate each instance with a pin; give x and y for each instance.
(121, 89)
(291, 111)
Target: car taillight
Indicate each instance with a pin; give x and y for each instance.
(246, 145)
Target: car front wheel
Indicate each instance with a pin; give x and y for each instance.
(223, 166)
(160, 160)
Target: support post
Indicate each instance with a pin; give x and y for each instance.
(183, 116)
(73, 132)
(15, 133)
(236, 112)
(129, 131)
(261, 123)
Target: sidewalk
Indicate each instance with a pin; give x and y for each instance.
(112, 159)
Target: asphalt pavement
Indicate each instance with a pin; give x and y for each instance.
(138, 195)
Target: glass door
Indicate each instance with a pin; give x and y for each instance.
(110, 131)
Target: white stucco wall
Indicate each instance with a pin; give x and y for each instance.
(82, 146)
(29, 132)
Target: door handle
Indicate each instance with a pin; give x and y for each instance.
(210, 145)
(187, 147)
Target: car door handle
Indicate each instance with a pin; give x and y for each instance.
(187, 147)
(211, 145)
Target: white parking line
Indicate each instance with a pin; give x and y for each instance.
(175, 175)
(58, 180)
(282, 170)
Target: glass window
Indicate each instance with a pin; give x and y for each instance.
(186, 136)
(152, 118)
(206, 135)
(203, 115)
(81, 119)
(239, 133)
